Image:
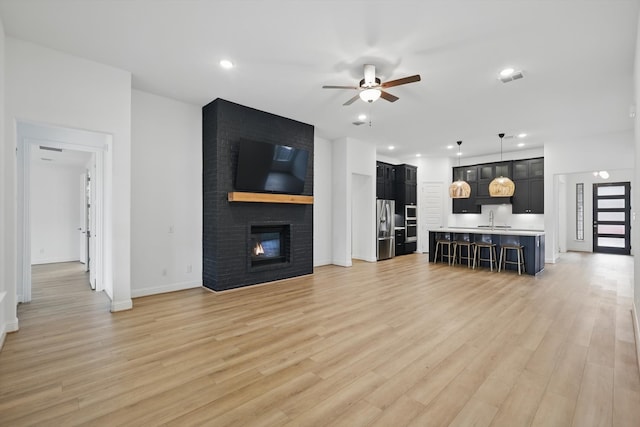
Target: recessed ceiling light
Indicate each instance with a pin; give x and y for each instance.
(521, 144)
(449, 147)
(226, 64)
(362, 117)
(506, 72)
(522, 135)
(458, 154)
(391, 147)
(418, 155)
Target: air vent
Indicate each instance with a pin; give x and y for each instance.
(46, 159)
(358, 123)
(511, 77)
(43, 147)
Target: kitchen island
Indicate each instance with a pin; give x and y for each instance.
(532, 240)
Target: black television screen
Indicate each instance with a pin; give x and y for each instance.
(270, 168)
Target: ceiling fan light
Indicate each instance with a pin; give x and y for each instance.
(370, 95)
(502, 187)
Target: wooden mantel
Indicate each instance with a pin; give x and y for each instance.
(236, 196)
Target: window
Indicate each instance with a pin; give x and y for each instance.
(580, 211)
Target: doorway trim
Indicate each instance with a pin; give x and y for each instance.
(28, 138)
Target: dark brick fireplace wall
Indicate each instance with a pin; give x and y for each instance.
(226, 225)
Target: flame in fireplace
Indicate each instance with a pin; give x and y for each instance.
(258, 249)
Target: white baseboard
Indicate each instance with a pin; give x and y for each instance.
(321, 262)
(121, 305)
(636, 331)
(5, 329)
(53, 260)
(154, 290)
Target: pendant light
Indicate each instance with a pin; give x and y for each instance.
(459, 189)
(501, 186)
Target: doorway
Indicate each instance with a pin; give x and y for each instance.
(611, 218)
(31, 137)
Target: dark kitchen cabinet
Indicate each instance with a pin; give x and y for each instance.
(399, 235)
(470, 175)
(487, 173)
(464, 206)
(528, 168)
(528, 175)
(406, 187)
(528, 197)
(385, 181)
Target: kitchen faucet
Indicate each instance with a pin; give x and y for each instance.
(491, 218)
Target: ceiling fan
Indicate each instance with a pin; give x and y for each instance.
(370, 88)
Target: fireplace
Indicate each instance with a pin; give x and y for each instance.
(269, 245)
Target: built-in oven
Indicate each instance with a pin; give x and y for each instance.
(411, 211)
(410, 223)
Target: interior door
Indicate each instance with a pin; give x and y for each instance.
(432, 208)
(82, 229)
(91, 221)
(611, 218)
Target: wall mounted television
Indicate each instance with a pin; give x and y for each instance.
(270, 168)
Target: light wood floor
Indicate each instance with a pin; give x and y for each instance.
(394, 343)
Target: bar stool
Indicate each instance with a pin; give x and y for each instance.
(463, 241)
(485, 242)
(444, 241)
(504, 255)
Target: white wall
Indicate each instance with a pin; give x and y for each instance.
(635, 190)
(47, 86)
(586, 245)
(166, 195)
(322, 206)
(349, 157)
(8, 319)
(55, 212)
(612, 151)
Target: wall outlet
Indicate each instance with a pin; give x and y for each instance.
(171, 229)
(189, 268)
(164, 271)
(41, 250)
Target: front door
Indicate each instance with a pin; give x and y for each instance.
(611, 218)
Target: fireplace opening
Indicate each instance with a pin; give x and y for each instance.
(269, 244)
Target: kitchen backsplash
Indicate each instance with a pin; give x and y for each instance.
(502, 216)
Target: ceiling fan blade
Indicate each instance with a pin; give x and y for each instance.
(352, 100)
(340, 87)
(402, 81)
(388, 96)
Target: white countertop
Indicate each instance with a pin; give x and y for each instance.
(499, 231)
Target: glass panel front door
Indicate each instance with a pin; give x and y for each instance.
(611, 218)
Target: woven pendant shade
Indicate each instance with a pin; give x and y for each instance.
(459, 189)
(501, 186)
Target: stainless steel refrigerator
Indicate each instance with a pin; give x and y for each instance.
(385, 212)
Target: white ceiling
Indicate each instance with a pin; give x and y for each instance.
(577, 57)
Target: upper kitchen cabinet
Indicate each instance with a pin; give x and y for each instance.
(465, 173)
(385, 181)
(406, 187)
(470, 175)
(529, 168)
(528, 176)
(488, 172)
(407, 174)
